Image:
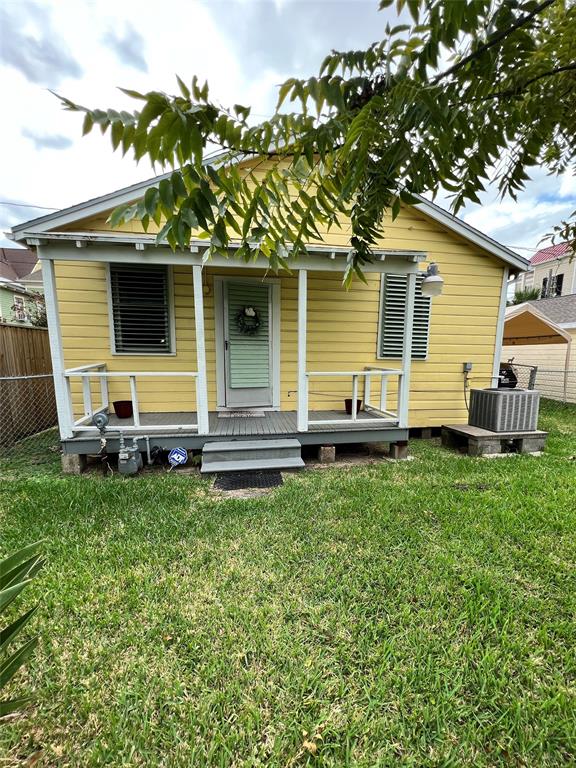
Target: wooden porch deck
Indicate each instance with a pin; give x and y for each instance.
(271, 423)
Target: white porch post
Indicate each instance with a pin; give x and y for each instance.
(500, 329)
(302, 378)
(404, 384)
(201, 380)
(61, 383)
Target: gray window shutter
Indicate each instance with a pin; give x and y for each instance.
(392, 318)
(140, 308)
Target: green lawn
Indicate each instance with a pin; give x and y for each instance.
(409, 614)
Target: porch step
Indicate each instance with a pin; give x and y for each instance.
(238, 455)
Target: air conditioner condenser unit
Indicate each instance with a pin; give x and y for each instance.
(504, 410)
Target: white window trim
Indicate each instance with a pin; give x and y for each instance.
(19, 308)
(379, 336)
(171, 318)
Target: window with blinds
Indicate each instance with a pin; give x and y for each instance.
(392, 307)
(141, 309)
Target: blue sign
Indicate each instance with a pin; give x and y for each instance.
(178, 456)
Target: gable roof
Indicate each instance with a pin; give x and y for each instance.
(525, 324)
(135, 191)
(551, 253)
(559, 309)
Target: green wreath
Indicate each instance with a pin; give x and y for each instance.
(248, 321)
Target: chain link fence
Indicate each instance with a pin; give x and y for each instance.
(27, 407)
(556, 385)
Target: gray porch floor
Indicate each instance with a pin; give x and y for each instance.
(271, 423)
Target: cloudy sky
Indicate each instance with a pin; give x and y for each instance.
(85, 48)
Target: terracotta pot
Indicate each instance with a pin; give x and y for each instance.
(123, 409)
(348, 405)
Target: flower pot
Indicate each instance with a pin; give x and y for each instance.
(348, 405)
(123, 409)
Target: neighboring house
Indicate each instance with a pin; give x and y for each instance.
(552, 271)
(226, 350)
(20, 284)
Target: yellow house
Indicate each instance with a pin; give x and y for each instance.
(223, 351)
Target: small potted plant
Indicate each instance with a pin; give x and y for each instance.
(348, 405)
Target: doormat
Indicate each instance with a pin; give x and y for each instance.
(241, 414)
(237, 481)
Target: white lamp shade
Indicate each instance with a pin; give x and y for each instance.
(432, 285)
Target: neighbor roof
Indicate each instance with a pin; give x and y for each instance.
(524, 324)
(15, 263)
(551, 253)
(560, 309)
(129, 194)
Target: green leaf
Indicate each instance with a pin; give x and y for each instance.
(21, 572)
(117, 133)
(284, 90)
(178, 186)
(151, 197)
(8, 634)
(13, 705)
(195, 140)
(162, 234)
(166, 195)
(11, 593)
(12, 664)
(88, 124)
(183, 87)
(20, 556)
(134, 94)
(219, 236)
(117, 215)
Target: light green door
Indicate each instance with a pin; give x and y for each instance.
(248, 354)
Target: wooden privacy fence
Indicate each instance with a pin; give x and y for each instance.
(24, 351)
(27, 402)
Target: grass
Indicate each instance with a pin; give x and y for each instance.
(409, 614)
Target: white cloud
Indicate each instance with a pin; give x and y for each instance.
(88, 168)
(244, 49)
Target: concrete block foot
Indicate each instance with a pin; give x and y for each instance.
(73, 463)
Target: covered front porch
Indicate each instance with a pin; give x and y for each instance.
(378, 394)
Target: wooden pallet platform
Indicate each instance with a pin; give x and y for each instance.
(476, 441)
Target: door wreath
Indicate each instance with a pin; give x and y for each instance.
(248, 321)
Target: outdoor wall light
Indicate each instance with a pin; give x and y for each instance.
(432, 284)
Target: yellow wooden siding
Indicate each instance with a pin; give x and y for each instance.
(342, 335)
(342, 326)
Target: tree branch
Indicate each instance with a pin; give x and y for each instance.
(494, 41)
(518, 90)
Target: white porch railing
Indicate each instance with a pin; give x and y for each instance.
(381, 414)
(98, 371)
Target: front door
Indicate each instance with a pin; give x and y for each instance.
(248, 344)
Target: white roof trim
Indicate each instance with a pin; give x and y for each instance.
(82, 239)
(128, 194)
(471, 234)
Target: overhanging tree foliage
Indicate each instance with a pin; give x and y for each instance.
(467, 93)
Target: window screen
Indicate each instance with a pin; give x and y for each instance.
(557, 285)
(393, 289)
(140, 309)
